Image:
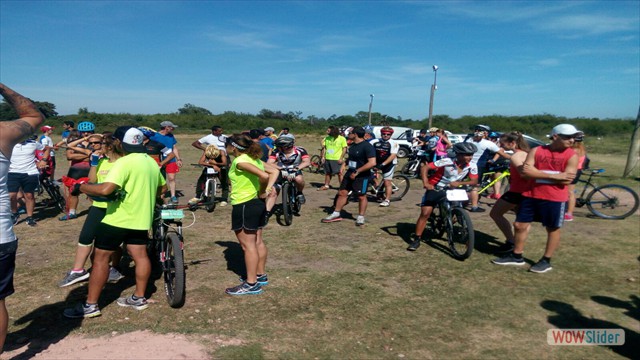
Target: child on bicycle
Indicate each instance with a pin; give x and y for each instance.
(449, 174)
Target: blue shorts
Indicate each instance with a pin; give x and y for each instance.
(28, 183)
(549, 213)
(7, 268)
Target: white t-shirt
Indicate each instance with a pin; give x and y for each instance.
(46, 141)
(23, 159)
(486, 149)
(392, 148)
(219, 141)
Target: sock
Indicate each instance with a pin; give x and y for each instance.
(250, 284)
(517, 256)
(75, 271)
(72, 211)
(134, 297)
(547, 259)
(335, 213)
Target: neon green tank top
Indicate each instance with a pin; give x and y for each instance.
(244, 185)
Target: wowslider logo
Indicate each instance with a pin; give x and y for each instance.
(611, 337)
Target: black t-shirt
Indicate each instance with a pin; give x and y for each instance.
(359, 154)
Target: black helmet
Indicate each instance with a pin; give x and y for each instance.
(482, 128)
(284, 141)
(464, 148)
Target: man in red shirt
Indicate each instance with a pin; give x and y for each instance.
(551, 168)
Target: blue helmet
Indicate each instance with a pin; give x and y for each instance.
(86, 126)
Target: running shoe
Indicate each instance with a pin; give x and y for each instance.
(174, 200)
(415, 244)
(385, 203)
(194, 200)
(82, 310)
(222, 203)
(568, 217)
(477, 209)
(68, 217)
(541, 266)
(31, 221)
(263, 280)
(360, 220)
(138, 304)
(301, 199)
(332, 218)
(114, 275)
(508, 259)
(244, 289)
(74, 277)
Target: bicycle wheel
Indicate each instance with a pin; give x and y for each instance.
(435, 225)
(54, 194)
(399, 187)
(210, 197)
(174, 271)
(287, 205)
(460, 234)
(407, 168)
(296, 206)
(612, 201)
(314, 167)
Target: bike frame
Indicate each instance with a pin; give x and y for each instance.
(503, 175)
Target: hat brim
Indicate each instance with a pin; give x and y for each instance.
(128, 148)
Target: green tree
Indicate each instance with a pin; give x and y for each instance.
(190, 109)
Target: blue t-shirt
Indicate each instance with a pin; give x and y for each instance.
(267, 141)
(167, 141)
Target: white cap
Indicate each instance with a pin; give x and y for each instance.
(565, 129)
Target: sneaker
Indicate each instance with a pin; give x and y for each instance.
(129, 301)
(114, 275)
(31, 221)
(541, 266)
(505, 248)
(68, 217)
(82, 310)
(494, 196)
(194, 200)
(568, 217)
(508, 259)
(222, 203)
(174, 200)
(360, 220)
(415, 244)
(323, 187)
(332, 218)
(301, 199)
(477, 209)
(385, 203)
(263, 280)
(74, 277)
(244, 289)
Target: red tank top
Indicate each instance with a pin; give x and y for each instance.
(517, 183)
(550, 161)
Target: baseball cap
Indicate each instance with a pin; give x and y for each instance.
(433, 129)
(46, 128)
(269, 129)
(565, 129)
(168, 123)
(131, 139)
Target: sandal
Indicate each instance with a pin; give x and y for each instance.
(323, 187)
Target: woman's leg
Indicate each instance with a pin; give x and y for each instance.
(248, 241)
(497, 214)
(262, 254)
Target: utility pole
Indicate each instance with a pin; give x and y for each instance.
(434, 87)
(370, 105)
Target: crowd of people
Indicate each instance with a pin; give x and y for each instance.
(125, 172)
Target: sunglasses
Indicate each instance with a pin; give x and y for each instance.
(95, 142)
(567, 137)
(386, 134)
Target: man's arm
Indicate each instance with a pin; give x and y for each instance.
(529, 170)
(198, 145)
(177, 154)
(103, 189)
(12, 132)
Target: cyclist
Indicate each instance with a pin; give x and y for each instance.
(512, 141)
(79, 163)
(334, 150)
(287, 155)
(219, 139)
(449, 174)
(212, 157)
(386, 160)
(485, 151)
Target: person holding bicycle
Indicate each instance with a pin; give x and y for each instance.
(212, 157)
(134, 183)
(551, 168)
(251, 182)
(449, 174)
(386, 160)
(288, 156)
(515, 142)
(220, 140)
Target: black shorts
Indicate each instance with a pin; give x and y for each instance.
(512, 197)
(88, 232)
(7, 268)
(248, 215)
(110, 237)
(357, 185)
(28, 183)
(433, 197)
(78, 172)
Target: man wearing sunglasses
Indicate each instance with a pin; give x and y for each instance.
(386, 160)
(551, 168)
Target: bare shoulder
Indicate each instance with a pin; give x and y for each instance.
(12, 132)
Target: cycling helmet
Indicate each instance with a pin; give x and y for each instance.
(147, 131)
(494, 135)
(86, 126)
(284, 141)
(482, 128)
(464, 148)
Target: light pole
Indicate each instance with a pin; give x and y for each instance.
(370, 105)
(434, 87)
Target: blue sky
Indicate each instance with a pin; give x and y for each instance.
(573, 59)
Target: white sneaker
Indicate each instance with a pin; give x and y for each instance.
(385, 203)
(223, 203)
(360, 220)
(332, 218)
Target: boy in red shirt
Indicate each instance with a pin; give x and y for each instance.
(551, 168)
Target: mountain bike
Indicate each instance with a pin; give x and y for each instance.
(609, 201)
(53, 191)
(400, 185)
(451, 218)
(487, 181)
(166, 250)
(316, 165)
(212, 183)
(412, 167)
(290, 196)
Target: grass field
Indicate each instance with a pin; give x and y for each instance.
(338, 291)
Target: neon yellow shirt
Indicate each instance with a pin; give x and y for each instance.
(244, 186)
(103, 168)
(139, 175)
(333, 147)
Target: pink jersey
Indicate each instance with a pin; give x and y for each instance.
(550, 162)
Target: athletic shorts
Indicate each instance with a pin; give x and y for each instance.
(512, 197)
(93, 219)
(549, 213)
(388, 172)
(172, 168)
(249, 215)
(433, 197)
(28, 183)
(110, 237)
(357, 185)
(78, 172)
(331, 167)
(7, 268)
